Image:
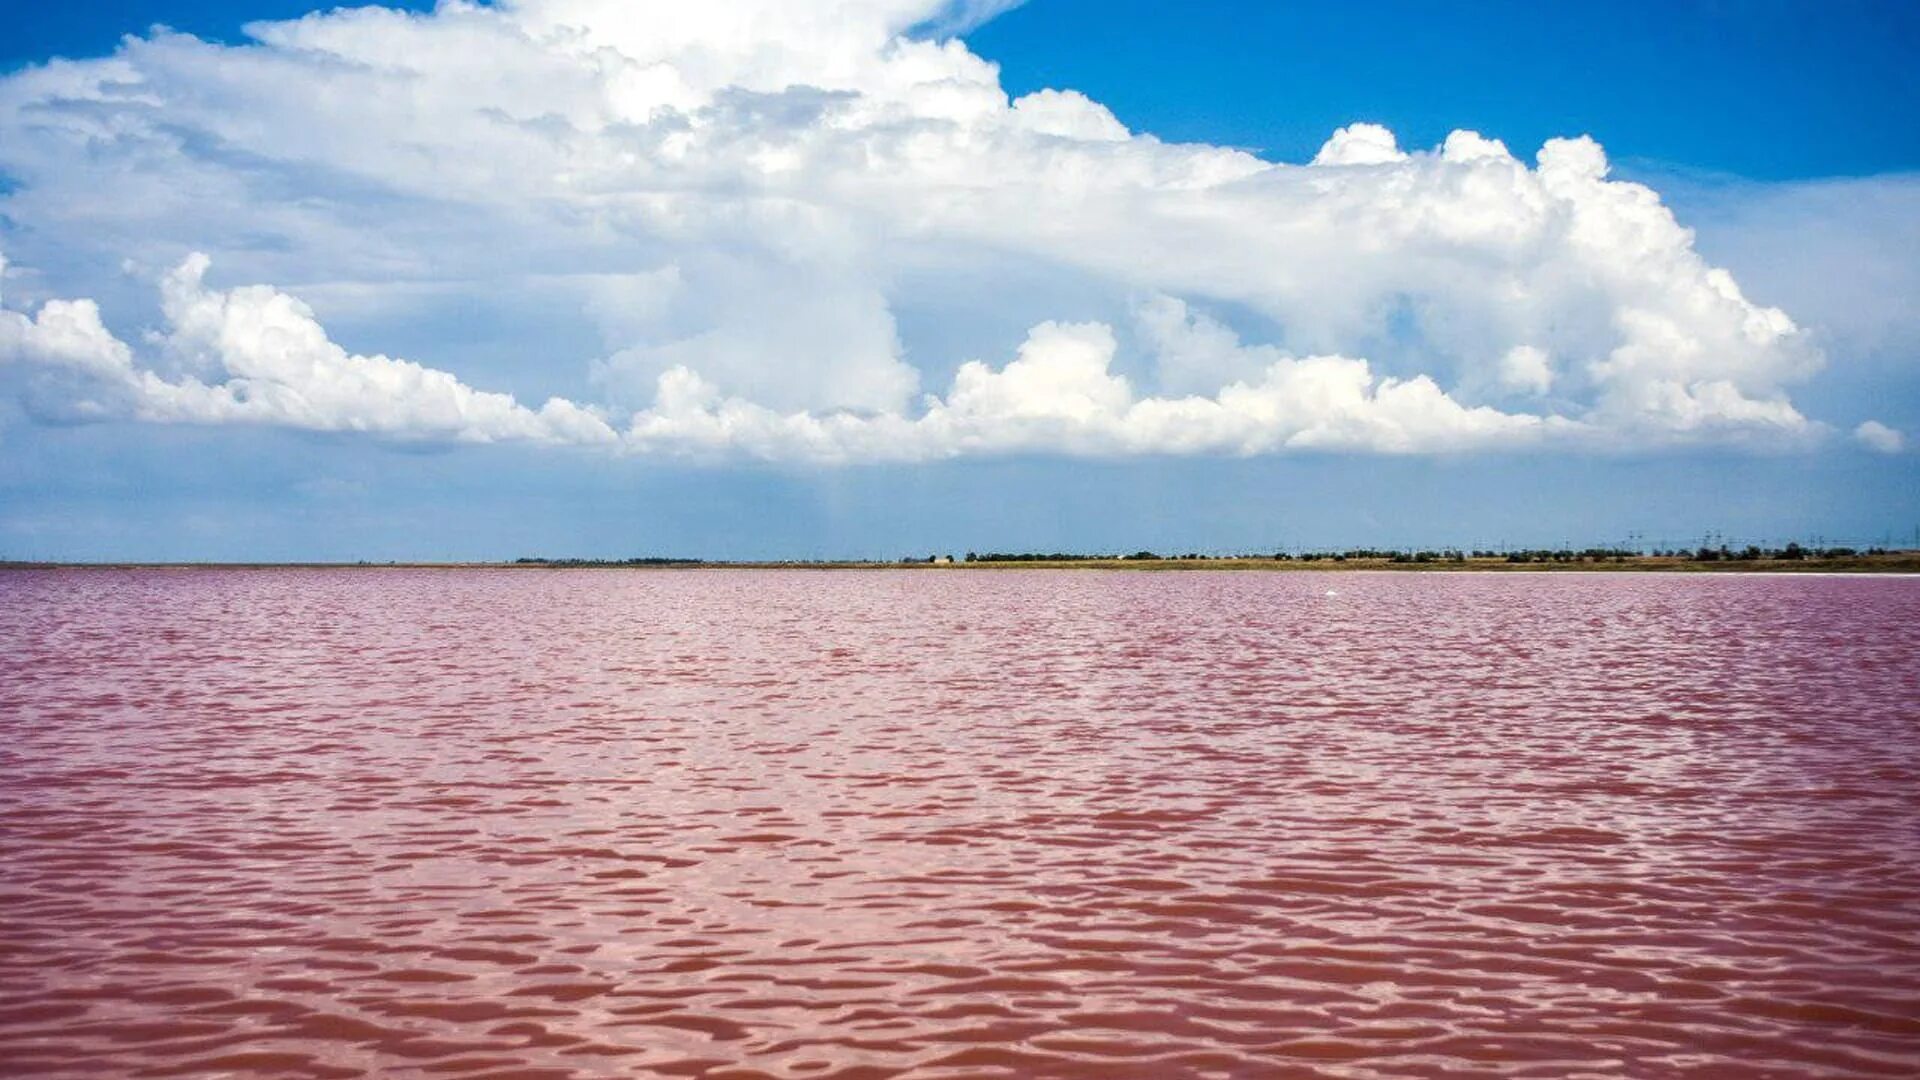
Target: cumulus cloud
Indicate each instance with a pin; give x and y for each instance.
(272, 364)
(747, 191)
(1360, 144)
(1527, 369)
(1060, 394)
(1877, 436)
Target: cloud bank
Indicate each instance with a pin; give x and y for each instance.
(742, 194)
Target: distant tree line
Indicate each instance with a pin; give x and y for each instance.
(1565, 555)
(1793, 551)
(1065, 556)
(647, 560)
(1058, 556)
(1704, 553)
(1790, 552)
(1446, 555)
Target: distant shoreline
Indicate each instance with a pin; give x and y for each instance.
(1899, 562)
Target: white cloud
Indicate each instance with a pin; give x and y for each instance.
(1527, 369)
(960, 16)
(1842, 249)
(1068, 114)
(738, 189)
(273, 364)
(1360, 144)
(1877, 436)
(791, 336)
(1059, 394)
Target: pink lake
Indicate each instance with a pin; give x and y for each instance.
(512, 823)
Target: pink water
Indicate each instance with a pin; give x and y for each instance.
(427, 824)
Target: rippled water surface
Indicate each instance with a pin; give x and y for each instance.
(744, 824)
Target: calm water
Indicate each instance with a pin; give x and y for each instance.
(957, 824)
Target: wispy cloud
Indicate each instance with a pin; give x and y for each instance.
(961, 16)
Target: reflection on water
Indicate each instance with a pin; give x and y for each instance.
(957, 824)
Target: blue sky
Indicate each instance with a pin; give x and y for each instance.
(1624, 393)
(1764, 89)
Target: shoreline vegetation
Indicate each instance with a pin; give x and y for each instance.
(1790, 559)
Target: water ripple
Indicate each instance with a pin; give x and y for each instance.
(861, 825)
